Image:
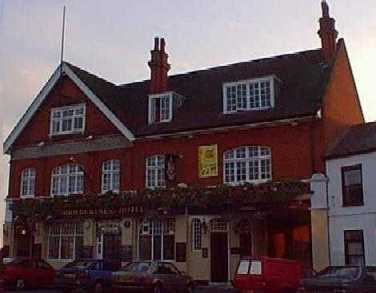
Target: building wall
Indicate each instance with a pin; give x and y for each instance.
(341, 106)
(291, 159)
(352, 218)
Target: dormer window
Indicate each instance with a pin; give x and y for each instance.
(253, 94)
(160, 107)
(67, 120)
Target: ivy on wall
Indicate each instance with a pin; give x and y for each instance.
(169, 199)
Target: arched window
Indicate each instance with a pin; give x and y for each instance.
(67, 179)
(247, 164)
(28, 182)
(111, 176)
(155, 171)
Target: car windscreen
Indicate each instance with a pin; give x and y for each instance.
(252, 267)
(137, 267)
(339, 272)
(20, 262)
(80, 264)
(243, 268)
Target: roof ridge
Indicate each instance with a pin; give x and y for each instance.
(220, 67)
(73, 66)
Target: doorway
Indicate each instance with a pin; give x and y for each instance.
(219, 257)
(111, 247)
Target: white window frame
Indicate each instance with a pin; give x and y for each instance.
(247, 160)
(57, 173)
(28, 177)
(167, 95)
(271, 79)
(112, 173)
(72, 118)
(60, 237)
(154, 170)
(150, 231)
(196, 237)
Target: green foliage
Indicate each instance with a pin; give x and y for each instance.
(168, 199)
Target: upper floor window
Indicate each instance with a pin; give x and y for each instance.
(28, 182)
(160, 107)
(111, 176)
(352, 185)
(67, 120)
(155, 171)
(247, 164)
(254, 94)
(67, 179)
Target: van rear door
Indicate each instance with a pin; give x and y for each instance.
(249, 275)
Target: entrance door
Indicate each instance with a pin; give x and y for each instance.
(111, 246)
(219, 257)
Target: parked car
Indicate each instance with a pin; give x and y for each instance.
(86, 274)
(151, 276)
(344, 279)
(27, 273)
(269, 275)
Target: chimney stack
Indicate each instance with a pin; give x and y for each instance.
(327, 32)
(159, 67)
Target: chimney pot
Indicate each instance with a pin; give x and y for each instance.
(156, 43)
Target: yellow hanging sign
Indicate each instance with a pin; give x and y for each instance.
(208, 161)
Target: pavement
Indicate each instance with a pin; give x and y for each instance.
(203, 289)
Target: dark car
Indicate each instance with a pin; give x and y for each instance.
(23, 273)
(91, 275)
(344, 279)
(151, 276)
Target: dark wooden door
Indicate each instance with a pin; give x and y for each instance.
(219, 257)
(111, 246)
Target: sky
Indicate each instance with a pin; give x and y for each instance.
(113, 38)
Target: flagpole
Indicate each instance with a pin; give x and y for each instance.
(62, 40)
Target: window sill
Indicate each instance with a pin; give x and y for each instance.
(353, 205)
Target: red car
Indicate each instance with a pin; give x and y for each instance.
(265, 274)
(27, 273)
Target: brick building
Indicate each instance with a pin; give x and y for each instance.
(196, 168)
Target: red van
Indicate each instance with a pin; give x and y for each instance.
(268, 275)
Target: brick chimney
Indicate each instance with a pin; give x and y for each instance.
(327, 32)
(159, 67)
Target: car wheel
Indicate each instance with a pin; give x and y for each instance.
(20, 284)
(189, 288)
(158, 289)
(98, 287)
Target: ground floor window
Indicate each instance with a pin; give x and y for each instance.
(157, 240)
(65, 241)
(354, 247)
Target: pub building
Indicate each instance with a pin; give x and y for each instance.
(198, 168)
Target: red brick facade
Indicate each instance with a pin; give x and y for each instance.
(297, 148)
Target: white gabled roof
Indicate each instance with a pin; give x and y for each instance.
(63, 69)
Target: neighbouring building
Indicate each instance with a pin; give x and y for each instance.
(196, 168)
(348, 197)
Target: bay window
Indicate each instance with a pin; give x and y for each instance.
(65, 241)
(157, 240)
